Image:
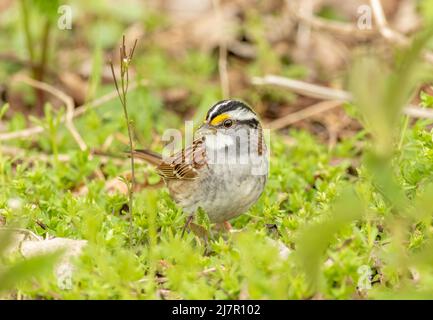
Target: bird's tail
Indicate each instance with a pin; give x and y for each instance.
(149, 156)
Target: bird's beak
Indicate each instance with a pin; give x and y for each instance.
(206, 129)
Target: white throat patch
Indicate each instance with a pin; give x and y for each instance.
(218, 141)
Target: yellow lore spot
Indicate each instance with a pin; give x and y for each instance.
(218, 119)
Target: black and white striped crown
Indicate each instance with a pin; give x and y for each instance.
(230, 106)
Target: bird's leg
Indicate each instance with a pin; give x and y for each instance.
(223, 226)
(187, 223)
(227, 225)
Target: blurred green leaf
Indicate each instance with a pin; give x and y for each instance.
(26, 269)
(47, 8)
(381, 91)
(313, 241)
(3, 110)
(13, 273)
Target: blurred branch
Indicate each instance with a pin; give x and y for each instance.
(388, 33)
(351, 30)
(39, 156)
(33, 131)
(222, 55)
(325, 93)
(10, 57)
(67, 100)
(303, 114)
(303, 36)
(105, 98)
(382, 24)
(28, 233)
(318, 23)
(303, 88)
(342, 28)
(19, 152)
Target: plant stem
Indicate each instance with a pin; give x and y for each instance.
(40, 71)
(45, 49)
(131, 146)
(29, 40)
(125, 59)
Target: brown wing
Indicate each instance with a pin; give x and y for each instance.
(184, 164)
(149, 156)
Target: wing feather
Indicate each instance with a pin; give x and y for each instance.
(184, 164)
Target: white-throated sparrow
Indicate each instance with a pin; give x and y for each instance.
(224, 170)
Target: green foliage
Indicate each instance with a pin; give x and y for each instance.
(321, 221)
(26, 269)
(426, 100)
(330, 13)
(426, 9)
(313, 241)
(3, 110)
(47, 8)
(381, 101)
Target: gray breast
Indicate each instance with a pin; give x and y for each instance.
(227, 186)
(223, 191)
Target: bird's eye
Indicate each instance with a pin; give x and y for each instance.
(227, 123)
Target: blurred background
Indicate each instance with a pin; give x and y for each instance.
(343, 85)
(190, 54)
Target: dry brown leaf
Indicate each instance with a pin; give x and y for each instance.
(325, 53)
(186, 9)
(205, 32)
(116, 186)
(175, 95)
(75, 86)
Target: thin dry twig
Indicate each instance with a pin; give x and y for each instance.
(303, 114)
(22, 153)
(351, 30)
(342, 28)
(325, 93)
(383, 27)
(34, 131)
(388, 33)
(40, 156)
(67, 100)
(27, 233)
(303, 37)
(303, 88)
(318, 23)
(105, 98)
(25, 63)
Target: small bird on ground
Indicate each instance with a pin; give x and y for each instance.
(225, 169)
